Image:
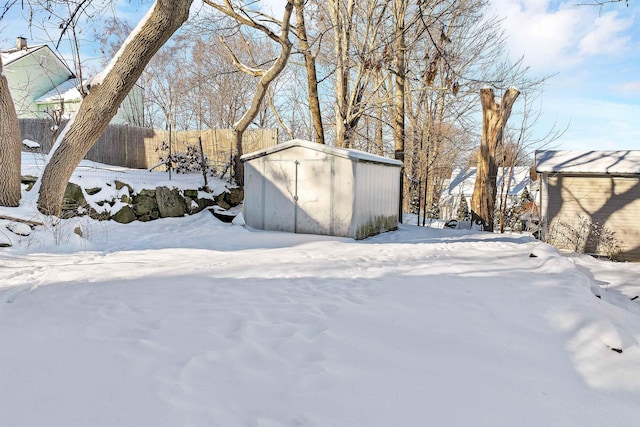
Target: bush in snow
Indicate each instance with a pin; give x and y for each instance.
(585, 236)
(190, 162)
(434, 211)
(414, 205)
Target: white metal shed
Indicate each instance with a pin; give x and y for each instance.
(303, 187)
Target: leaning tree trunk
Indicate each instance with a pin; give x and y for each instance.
(494, 117)
(104, 98)
(10, 154)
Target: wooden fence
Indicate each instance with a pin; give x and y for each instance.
(141, 148)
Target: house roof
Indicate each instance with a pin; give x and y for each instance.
(355, 155)
(67, 91)
(600, 162)
(462, 182)
(12, 55)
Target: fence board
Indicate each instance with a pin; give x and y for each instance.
(140, 148)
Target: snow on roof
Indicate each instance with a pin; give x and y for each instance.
(66, 91)
(607, 162)
(463, 181)
(356, 155)
(11, 55)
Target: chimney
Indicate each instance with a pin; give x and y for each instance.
(21, 43)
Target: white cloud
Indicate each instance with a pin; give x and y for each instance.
(629, 88)
(555, 36)
(607, 36)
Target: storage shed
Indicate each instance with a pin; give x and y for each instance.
(303, 187)
(585, 193)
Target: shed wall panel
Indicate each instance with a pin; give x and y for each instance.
(253, 207)
(606, 200)
(377, 193)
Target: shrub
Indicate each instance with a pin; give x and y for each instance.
(585, 236)
(463, 210)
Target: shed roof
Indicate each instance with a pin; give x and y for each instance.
(355, 155)
(599, 162)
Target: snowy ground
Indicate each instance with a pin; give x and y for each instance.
(192, 322)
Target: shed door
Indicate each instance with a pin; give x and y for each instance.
(279, 207)
(299, 197)
(315, 199)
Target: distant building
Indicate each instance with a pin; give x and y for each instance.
(43, 86)
(463, 181)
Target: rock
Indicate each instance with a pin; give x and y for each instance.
(235, 196)
(92, 191)
(72, 200)
(150, 217)
(145, 205)
(29, 181)
(147, 192)
(203, 204)
(191, 193)
(220, 201)
(170, 203)
(124, 215)
(78, 231)
(4, 241)
(100, 216)
(120, 185)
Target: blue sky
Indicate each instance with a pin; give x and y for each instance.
(593, 54)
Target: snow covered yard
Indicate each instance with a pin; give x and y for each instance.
(193, 322)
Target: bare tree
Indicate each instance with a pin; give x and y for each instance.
(267, 76)
(495, 114)
(359, 54)
(601, 3)
(310, 66)
(104, 98)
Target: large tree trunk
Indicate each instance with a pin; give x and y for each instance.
(398, 125)
(104, 98)
(494, 117)
(312, 78)
(10, 150)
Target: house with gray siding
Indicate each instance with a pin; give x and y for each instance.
(600, 188)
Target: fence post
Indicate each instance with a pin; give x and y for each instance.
(126, 145)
